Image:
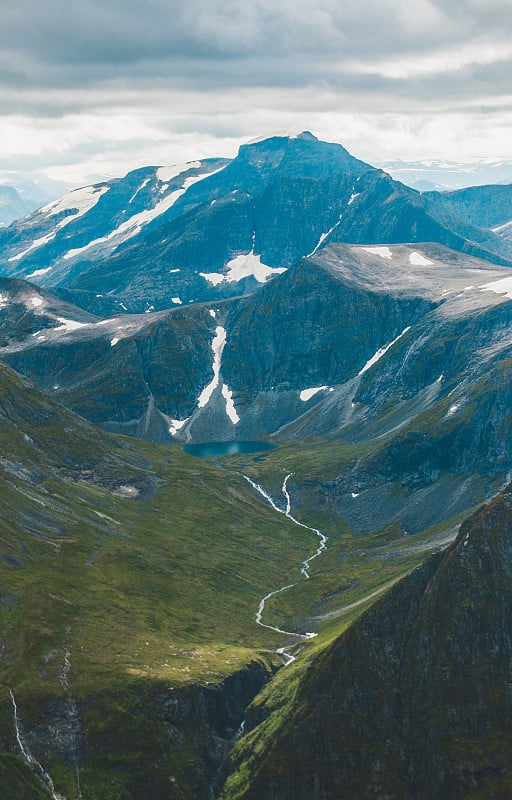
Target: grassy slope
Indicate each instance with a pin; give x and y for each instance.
(157, 590)
(162, 589)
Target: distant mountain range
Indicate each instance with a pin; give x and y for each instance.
(20, 195)
(448, 175)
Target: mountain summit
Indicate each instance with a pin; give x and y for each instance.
(217, 228)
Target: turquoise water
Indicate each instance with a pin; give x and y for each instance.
(204, 449)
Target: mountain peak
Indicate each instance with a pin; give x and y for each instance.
(284, 135)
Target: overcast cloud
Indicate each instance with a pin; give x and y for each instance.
(90, 88)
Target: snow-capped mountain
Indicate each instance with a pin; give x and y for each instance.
(206, 230)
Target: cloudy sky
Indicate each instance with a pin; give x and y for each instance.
(91, 88)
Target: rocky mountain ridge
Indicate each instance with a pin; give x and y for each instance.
(211, 229)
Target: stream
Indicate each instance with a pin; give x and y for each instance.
(286, 657)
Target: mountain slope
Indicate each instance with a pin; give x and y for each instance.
(419, 431)
(414, 699)
(127, 601)
(484, 206)
(487, 206)
(30, 314)
(130, 581)
(387, 212)
(384, 350)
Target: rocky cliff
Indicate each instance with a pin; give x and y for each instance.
(150, 740)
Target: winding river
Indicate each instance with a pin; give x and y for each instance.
(287, 658)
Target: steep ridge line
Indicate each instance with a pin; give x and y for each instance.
(300, 637)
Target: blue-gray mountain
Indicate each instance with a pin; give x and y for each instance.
(403, 352)
(484, 206)
(12, 205)
(216, 228)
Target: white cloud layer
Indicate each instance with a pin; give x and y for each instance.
(94, 89)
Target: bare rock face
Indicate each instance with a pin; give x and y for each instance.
(414, 700)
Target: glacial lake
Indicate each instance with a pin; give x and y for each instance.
(204, 449)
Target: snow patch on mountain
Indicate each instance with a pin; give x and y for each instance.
(82, 199)
(324, 236)
(417, 260)
(245, 265)
(218, 343)
(503, 286)
(383, 252)
(230, 406)
(68, 325)
(503, 228)
(250, 266)
(212, 277)
(177, 425)
(307, 394)
(166, 174)
(37, 273)
(378, 355)
(139, 189)
(39, 242)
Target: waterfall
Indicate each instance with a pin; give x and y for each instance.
(27, 756)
